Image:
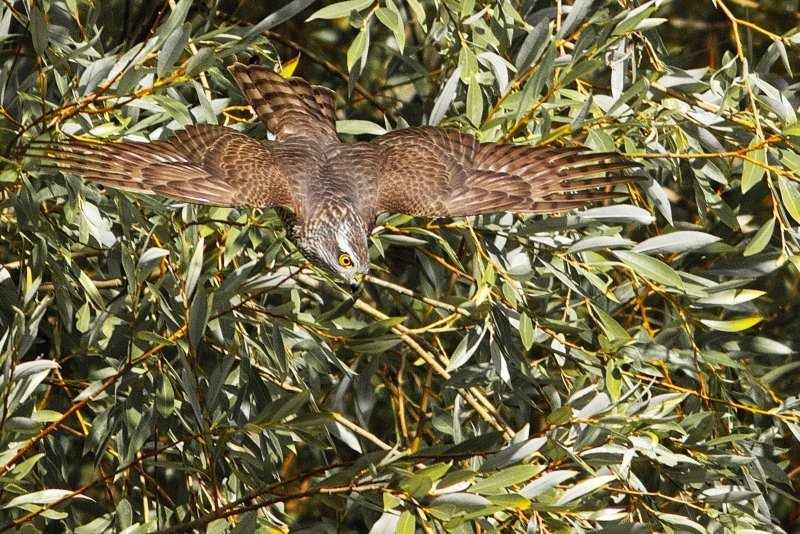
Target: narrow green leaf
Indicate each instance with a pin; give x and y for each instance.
(418, 10)
(545, 482)
(682, 524)
(290, 406)
(634, 18)
(499, 482)
(730, 297)
(95, 74)
(416, 486)
(578, 13)
(676, 242)
(280, 16)
(165, 397)
(468, 62)
(614, 381)
(47, 496)
(792, 129)
(582, 488)
(39, 31)
(533, 88)
(148, 261)
(359, 127)
(532, 47)
(445, 98)
(210, 116)
(465, 349)
(176, 18)
(152, 337)
(340, 9)
(91, 290)
(619, 213)
(728, 493)
(435, 471)
(599, 242)
(790, 196)
(499, 66)
(650, 268)
(612, 329)
(390, 17)
(386, 523)
(82, 318)
(23, 468)
(753, 168)
(407, 523)
(761, 239)
(732, 325)
(461, 501)
(474, 102)
(198, 316)
(391, 501)
(514, 453)
(172, 49)
(200, 62)
(526, 331)
(357, 50)
(194, 269)
(175, 109)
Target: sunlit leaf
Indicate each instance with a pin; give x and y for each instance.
(650, 268)
(340, 9)
(587, 486)
(675, 242)
(732, 325)
(753, 167)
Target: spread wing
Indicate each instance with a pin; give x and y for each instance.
(288, 106)
(439, 172)
(202, 164)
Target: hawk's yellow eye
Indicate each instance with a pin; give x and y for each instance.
(345, 261)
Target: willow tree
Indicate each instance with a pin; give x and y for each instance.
(630, 367)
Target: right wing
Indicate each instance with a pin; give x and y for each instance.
(202, 164)
(440, 172)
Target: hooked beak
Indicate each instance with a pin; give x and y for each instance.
(355, 285)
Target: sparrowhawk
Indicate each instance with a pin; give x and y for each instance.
(330, 193)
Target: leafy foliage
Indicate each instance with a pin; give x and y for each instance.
(626, 368)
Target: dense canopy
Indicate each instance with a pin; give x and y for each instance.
(630, 367)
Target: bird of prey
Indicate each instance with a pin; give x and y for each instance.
(329, 193)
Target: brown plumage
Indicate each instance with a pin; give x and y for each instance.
(329, 193)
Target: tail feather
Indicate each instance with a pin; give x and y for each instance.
(288, 106)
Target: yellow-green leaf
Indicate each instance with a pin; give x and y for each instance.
(753, 167)
(406, 523)
(790, 196)
(474, 102)
(356, 50)
(732, 325)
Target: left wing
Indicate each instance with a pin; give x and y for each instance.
(202, 164)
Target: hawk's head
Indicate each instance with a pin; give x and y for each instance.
(338, 247)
